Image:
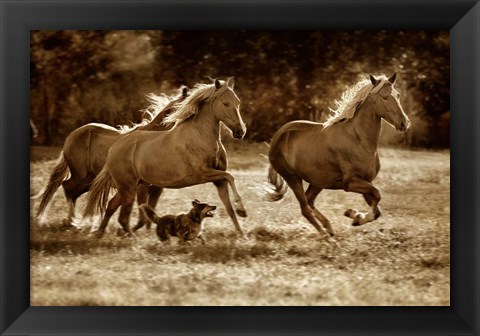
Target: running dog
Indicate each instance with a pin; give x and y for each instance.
(185, 226)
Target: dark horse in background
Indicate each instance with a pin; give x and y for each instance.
(338, 154)
(85, 152)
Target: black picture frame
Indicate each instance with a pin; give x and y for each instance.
(18, 17)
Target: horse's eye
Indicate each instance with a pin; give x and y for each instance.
(226, 104)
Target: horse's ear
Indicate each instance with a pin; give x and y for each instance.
(373, 80)
(185, 92)
(210, 79)
(230, 82)
(218, 85)
(392, 78)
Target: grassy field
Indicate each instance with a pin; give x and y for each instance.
(403, 258)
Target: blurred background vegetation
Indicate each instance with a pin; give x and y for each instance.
(79, 77)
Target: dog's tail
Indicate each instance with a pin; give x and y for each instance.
(150, 213)
(277, 188)
(58, 175)
(99, 192)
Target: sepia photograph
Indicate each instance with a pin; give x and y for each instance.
(239, 168)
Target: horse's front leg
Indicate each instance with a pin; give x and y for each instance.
(222, 188)
(311, 193)
(371, 194)
(214, 175)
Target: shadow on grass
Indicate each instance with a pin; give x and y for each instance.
(224, 253)
(219, 251)
(262, 244)
(59, 240)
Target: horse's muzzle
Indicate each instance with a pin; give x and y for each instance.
(404, 126)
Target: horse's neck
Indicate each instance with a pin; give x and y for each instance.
(367, 124)
(204, 123)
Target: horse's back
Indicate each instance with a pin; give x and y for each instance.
(141, 145)
(298, 125)
(281, 137)
(302, 148)
(86, 148)
(85, 131)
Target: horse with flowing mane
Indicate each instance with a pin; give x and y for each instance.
(85, 151)
(188, 154)
(340, 153)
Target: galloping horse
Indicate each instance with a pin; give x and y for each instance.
(85, 152)
(338, 154)
(190, 153)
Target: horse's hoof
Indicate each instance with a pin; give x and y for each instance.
(97, 234)
(328, 238)
(120, 232)
(359, 219)
(332, 241)
(243, 237)
(242, 213)
(356, 221)
(350, 213)
(141, 225)
(67, 224)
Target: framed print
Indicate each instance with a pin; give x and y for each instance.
(224, 106)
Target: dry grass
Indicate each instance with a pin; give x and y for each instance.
(403, 258)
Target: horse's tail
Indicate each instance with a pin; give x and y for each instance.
(58, 175)
(278, 187)
(99, 192)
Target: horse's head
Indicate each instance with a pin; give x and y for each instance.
(387, 101)
(227, 108)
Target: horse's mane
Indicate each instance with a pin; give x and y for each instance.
(200, 93)
(352, 98)
(158, 103)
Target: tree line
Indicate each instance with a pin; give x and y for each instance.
(103, 76)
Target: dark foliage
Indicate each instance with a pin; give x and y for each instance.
(83, 76)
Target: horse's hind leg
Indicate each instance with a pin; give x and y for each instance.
(142, 197)
(370, 199)
(295, 183)
(372, 196)
(112, 206)
(311, 194)
(222, 188)
(73, 189)
(125, 211)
